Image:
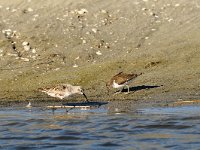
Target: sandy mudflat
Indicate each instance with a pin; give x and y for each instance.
(86, 42)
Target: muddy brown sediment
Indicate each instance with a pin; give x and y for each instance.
(87, 42)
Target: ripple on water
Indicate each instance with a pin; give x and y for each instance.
(151, 128)
(164, 126)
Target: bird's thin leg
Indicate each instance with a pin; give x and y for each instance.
(117, 92)
(120, 91)
(53, 110)
(127, 89)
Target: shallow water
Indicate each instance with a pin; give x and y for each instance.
(103, 128)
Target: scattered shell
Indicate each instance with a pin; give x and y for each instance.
(25, 59)
(27, 48)
(34, 50)
(57, 69)
(77, 58)
(144, 9)
(107, 46)
(82, 11)
(104, 11)
(156, 16)
(169, 20)
(8, 33)
(25, 43)
(36, 15)
(98, 53)
(10, 54)
(13, 10)
(94, 30)
(75, 65)
(29, 9)
(87, 33)
(84, 41)
(33, 57)
(177, 5)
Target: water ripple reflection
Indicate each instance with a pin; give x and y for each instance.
(142, 128)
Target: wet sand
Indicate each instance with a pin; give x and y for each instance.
(43, 43)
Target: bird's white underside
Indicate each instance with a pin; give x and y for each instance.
(115, 85)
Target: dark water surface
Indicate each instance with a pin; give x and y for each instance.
(103, 128)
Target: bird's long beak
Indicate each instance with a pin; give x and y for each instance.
(85, 97)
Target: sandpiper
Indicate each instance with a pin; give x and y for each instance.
(121, 80)
(63, 90)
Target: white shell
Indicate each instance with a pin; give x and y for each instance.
(75, 65)
(98, 53)
(94, 30)
(82, 11)
(25, 59)
(27, 48)
(25, 43)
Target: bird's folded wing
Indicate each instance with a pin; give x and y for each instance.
(120, 80)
